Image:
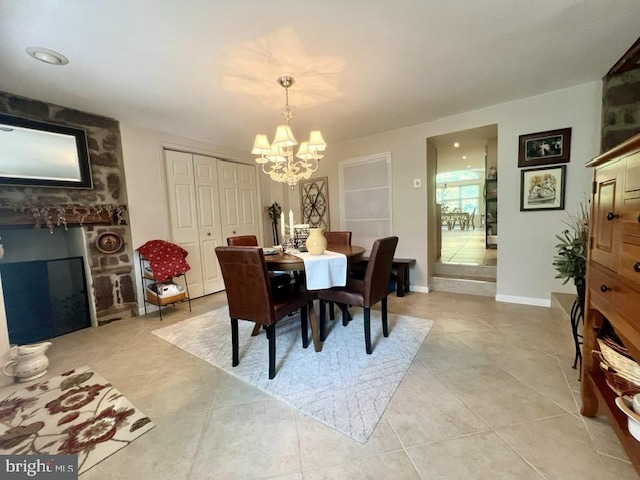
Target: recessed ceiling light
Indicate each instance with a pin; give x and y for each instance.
(456, 145)
(468, 166)
(47, 56)
(464, 157)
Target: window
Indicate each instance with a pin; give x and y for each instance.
(463, 195)
(365, 197)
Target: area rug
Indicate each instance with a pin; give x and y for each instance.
(78, 412)
(341, 386)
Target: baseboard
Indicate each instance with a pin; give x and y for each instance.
(537, 302)
(419, 288)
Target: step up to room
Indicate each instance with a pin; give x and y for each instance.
(466, 271)
(470, 286)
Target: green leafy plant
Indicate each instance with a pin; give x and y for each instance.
(571, 259)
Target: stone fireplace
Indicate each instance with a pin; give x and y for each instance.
(109, 275)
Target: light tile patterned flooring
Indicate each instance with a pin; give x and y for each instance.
(466, 246)
(490, 395)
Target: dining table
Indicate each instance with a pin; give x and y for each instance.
(289, 262)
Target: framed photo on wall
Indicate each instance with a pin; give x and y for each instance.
(542, 188)
(544, 148)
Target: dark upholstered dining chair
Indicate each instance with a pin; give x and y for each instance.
(366, 293)
(250, 297)
(338, 238)
(335, 238)
(280, 282)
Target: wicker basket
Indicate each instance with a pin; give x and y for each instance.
(618, 383)
(617, 357)
(162, 300)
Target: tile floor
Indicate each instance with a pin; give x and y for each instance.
(490, 395)
(466, 246)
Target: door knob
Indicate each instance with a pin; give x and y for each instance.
(636, 267)
(611, 216)
(208, 234)
(604, 288)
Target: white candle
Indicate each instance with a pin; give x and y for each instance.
(282, 225)
(291, 224)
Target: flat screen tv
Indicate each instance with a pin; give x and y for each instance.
(42, 154)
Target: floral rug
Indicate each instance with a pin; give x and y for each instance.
(340, 386)
(78, 412)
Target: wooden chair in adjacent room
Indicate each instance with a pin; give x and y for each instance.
(366, 293)
(250, 297)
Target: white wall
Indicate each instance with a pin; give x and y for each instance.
(527, 239)
(144, 170)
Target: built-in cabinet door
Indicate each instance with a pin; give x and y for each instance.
(183, 214)
(209, 226)
(209, 200)
(238, 199)
(606, 214)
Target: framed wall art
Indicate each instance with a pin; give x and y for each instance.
(544, 148)
(542, 188)
(314, 202)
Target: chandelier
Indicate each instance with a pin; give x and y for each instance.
(277, 158)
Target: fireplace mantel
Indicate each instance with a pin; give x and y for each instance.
(52, 215)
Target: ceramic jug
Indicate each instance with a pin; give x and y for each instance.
(28, 362)
(316, 242)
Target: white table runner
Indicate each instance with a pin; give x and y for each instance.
(324, 271)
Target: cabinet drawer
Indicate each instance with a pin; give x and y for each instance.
(611, 296)
(631, 220)
(629, 266)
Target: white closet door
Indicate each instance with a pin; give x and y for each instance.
(183, 214)
(209, 226)
(238, 200)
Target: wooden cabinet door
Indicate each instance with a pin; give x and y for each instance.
(606, 214)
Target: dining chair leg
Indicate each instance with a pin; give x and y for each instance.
(332, 311)
(271, 335)
(256, 330)
(367, 329)
(385, 325)
(322, 321)
(304, 326)
(345, 314)
(234, 342)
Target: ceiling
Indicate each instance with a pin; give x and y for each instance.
(207, 70)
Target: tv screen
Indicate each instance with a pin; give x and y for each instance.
(42, 154)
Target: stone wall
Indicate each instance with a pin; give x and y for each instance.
(111, 275)
(620, 108)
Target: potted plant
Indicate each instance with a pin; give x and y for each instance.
(571, 259)
(571, 263)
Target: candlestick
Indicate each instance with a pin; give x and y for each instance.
(291, 223)
(282, 225)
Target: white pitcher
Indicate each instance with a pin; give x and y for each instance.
(28, 362)
(316, 242)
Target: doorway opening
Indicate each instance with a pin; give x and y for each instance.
(466, 196)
